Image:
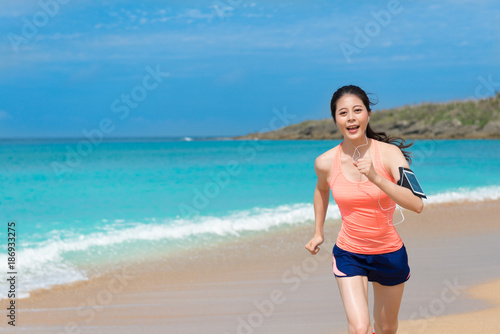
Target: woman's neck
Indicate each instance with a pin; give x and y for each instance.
(358, 148)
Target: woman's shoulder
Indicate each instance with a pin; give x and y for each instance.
(387, 149)
(392, 157)
(324, 161)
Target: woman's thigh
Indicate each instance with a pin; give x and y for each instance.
(387, 300)
(354, 293)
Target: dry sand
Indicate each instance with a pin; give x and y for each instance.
(268, 283)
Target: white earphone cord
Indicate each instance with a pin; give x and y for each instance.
(396, 206)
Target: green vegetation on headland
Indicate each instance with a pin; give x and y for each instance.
(455, 119)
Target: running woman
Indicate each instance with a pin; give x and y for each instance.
(362, 173)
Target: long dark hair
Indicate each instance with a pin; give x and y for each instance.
(380, 136)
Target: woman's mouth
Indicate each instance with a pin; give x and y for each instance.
(353, 128)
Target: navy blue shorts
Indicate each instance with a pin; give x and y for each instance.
(386, 269)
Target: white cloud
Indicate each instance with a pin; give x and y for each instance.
(18, 8)
(58, 36)
(5, 115)
(196, 14)
(106, 25)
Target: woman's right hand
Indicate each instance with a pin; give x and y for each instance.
(312, 245)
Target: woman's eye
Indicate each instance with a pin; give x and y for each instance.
(358, 110)
(342, 113)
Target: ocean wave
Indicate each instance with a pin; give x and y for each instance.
(35, 276)
(466, 195)
(47, 263)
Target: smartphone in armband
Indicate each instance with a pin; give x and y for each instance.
(408, 180)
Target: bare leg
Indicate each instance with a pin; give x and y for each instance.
(387, 300)
(354, 293)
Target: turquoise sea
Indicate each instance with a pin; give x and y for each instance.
(81, 207)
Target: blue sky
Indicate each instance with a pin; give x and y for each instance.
(223, 66)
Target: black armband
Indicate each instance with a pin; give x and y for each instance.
(408, 180)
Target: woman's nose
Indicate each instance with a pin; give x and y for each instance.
(350, 115)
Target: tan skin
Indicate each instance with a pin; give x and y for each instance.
(354, 290)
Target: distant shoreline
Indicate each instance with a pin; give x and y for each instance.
(468, 119)
(169, 140)
(115, 139)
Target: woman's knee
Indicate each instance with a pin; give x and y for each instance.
(386, 327)
(360, 328)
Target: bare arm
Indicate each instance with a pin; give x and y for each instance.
(401, 195)
(321, 199)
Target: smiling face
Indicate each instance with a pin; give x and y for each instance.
(351, 117)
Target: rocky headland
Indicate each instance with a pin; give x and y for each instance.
(456, 119)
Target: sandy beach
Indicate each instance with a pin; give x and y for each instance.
(268, 283)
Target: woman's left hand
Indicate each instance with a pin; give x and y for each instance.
(365, 167)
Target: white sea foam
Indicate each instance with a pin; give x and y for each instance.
(45, 264)
(32, 275)
(466, 195)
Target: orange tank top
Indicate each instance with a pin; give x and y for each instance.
(366, 226)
